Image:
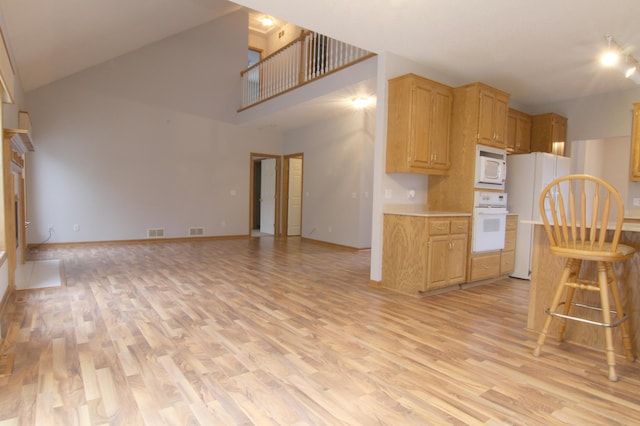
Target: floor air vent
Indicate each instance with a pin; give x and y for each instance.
(196, 232)
(155, 233)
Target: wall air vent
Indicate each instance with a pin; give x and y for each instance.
(196, 232)
(155, 233)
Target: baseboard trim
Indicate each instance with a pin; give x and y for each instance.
(334, 245)
(136, 241)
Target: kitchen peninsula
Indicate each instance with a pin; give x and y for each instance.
(544, 277)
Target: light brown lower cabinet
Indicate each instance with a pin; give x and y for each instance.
(422, 254)
(484, 265)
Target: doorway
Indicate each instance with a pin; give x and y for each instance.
(265, 195)
(292, 213)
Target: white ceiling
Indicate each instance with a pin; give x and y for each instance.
(539, 51)
(53, 39)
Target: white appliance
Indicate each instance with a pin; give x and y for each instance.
(489, 221)
(528, 175)
(491, 167)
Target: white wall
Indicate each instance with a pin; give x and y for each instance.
(337, 177)
(607, 159)
(145, 141)
(271, 42)
(274, 42)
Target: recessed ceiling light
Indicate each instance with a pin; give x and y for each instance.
(267, 21)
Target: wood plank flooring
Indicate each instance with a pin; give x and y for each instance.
(268, 332)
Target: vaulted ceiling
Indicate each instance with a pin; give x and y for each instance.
(539, 51)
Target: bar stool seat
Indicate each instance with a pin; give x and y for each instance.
(582, 216)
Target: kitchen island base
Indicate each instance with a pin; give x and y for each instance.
(546, 270)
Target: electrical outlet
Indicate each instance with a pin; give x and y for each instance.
(636, 202)
(76, 228)
(51, 230)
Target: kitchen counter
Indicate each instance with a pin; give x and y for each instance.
(629, 224)
(419, 210)
(546, 270)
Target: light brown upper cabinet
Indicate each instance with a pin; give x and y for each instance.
(492, 116)
(418, 126)
(518, 132)
(635, 144)
(548, 133)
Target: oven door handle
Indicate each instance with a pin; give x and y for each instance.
(485, 213)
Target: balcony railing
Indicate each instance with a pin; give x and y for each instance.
(305, 59)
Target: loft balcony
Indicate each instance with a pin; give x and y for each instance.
(308, 58)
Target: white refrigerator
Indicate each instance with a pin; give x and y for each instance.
(527, 175)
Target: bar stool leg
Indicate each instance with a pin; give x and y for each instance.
(615, 292)
(603, 283)
(573, 277)
(554, 305)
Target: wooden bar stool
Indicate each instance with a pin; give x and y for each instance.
(576, 211)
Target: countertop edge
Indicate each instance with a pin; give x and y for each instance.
(626, 226)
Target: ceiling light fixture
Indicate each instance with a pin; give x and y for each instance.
(267, 21)
(361, 102)
(611, 57)
(631, 66)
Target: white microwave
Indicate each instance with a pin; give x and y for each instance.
(491, 167)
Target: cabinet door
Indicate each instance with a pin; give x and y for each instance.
(512, 121)
(440, 128)
(500, 114)
(558, 135)
(437, 262)
(418, 150)
(523, 134)
(457, 261)
(635, 144)
(486, 132)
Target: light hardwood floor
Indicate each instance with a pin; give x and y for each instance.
(268, 332)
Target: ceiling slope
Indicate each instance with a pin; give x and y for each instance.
(53, 39)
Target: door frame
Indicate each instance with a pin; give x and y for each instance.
(254, 156)
(285, 192)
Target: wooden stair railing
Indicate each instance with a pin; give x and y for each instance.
(301, 61)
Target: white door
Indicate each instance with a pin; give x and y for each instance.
(294, 215)
(268, 196)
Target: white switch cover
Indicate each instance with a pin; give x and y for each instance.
(388, 194)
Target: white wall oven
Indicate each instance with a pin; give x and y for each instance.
(489, 221)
